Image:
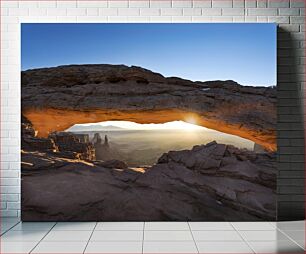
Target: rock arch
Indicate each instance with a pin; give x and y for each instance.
(54, 99)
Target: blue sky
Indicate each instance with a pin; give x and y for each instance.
(245, 53)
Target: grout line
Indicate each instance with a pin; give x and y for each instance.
(193, 238)
(10, 228)
(42, 238)
(90, 236)
(246, 242)
(290, 238)
(143, 232)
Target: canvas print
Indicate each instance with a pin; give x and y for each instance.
(148, 122)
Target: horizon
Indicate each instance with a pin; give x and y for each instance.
(129, 125)
(168, 49)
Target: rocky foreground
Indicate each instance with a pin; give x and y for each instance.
(212, 182)
(54, 99)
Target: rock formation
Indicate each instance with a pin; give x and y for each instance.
(209, 182)
(103, 150)
(54, 99)
(73, 145)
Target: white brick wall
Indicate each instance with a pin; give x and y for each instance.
(289, 13)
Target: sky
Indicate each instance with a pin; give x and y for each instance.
(245, 53)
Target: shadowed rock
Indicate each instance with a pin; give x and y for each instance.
(209, 182)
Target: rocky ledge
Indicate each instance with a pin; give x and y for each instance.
(212, 182)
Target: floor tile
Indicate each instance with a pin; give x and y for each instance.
(17, 247)
(114, 247)
(168, 236)
(63, 226)
(276, 247)
(291, 225)
(273, 235)
(33, 226)
(222, 226)
(5, 226)
(256, 225)
(101, 236)
(23, 236)
(216, 236)
(67, 236)
(169, 247)
(223, 247)
(120, 226)
(166, 226)
(60, 247)
(296, 235)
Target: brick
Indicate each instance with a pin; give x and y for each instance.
(172, 11)
(76, 12)
(128, 11)
(202, 3)
(9, 4)
(278, 3)
(262, 12)
(192, 11)
(297, 20)
(238, 19)
(9, 197)
(289, 28)
(233, 12)
(279, 19)
(201, 19)
(160, 19)
(149, 12)
(18, 12)
(38, 11)
(262, 3)
(289, 11)
(108, 11)
(222, 3)
(297, 3)
(92, 4)
(9, 181)
(92, 11)
(261, 19)
(139, 4)
(10, 173)
(66, 4)
(160, 3)
(118, 4)
(181, 3)
(181, 19)
(250, 3)
(138, 19)
(13, 205)
(211, 11)
(222, 19)
(9, 213)
(57, 12)
(47, 4)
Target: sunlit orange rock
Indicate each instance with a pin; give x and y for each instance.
(54, 99)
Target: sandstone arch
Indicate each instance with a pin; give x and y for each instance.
(56, 98)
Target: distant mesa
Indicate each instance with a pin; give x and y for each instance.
(94, 127)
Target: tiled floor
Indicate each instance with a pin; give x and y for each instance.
(152, 237)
